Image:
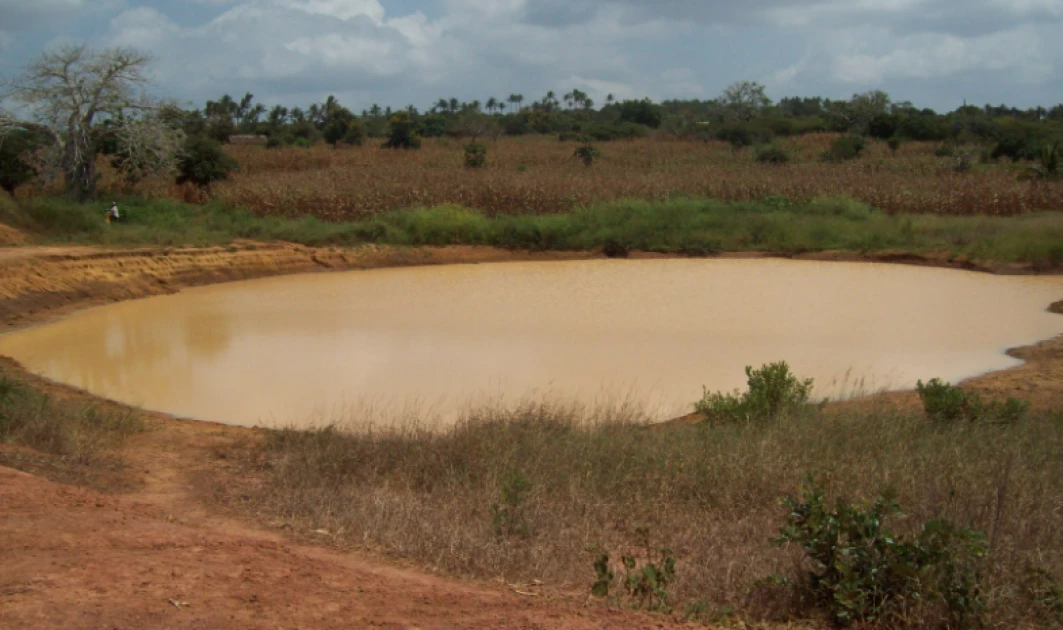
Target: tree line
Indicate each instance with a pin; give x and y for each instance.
(77, 103)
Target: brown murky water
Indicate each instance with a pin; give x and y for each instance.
(298, 349)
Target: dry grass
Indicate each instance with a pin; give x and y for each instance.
(75, 431)
(711, 494)
(540, 175)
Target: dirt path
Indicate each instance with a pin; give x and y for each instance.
(152, 552)
(161, 557)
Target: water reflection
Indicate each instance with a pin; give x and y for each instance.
(285, 349)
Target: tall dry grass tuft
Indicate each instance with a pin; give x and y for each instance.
(587, 478)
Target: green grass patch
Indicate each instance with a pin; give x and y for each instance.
(684, 226)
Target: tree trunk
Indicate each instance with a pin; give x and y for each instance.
(79, 173)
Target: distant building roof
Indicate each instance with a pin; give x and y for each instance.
(248, 139)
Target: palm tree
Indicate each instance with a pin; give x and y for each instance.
(492, 103)
(520, 100)
(610, 99)
(455, 104)
(579, 97)
(514, 99)
(440, 106)
(570, 98)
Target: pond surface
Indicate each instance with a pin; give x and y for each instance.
(319, 347)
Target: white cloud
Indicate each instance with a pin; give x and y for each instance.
(294, 51)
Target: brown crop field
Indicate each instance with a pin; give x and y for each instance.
(539, 174)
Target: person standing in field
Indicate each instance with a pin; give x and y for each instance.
(112, 212)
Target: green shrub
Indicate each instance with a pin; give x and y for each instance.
(861, 571)
(1044, 594)
(945, 149)
(441, 225)
(203, 162)
(588, 154)
(475, 155)
(947, 403)
(60, 217)
(894, 143)
(773, 391)
(743, 134)
(401, 134)
(507, 516)
(844, 148)
(773, 155)
(15, 166)
(614, 248)
(648, 572)
(573, 136)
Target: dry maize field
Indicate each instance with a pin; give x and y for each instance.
(541, 175)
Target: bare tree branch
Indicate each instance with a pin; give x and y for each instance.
(78, 96)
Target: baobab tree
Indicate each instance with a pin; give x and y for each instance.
(79, 99)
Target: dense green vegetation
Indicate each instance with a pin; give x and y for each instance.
(743, 114)
(685, 226)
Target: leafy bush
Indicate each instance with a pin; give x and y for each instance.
(741, 134)
(475, 155)
(1016, 146)
(605, 133)
(507, 516)
(643, 112)
(401, 134)
(947, 403)
(894, 143)
(773, 155)
(203, 162)
(1045, 595)
(773, 391)
(1050, 157)
(861, 571)
(945, 149)
(647, 574)
(588, 154)
(845, 148)
(614, 248)
(573, 136)
(15, 168)
(883, 126)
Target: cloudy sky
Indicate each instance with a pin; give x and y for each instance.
(935, 53)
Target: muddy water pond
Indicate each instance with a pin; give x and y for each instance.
(318, 347)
